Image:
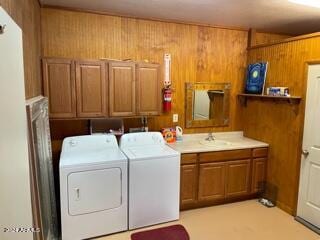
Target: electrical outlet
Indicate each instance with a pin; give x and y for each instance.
(175, 117)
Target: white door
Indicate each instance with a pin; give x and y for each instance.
(309, 192)
(15, 199)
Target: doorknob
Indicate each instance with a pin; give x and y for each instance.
(305, 153)
(2, 27)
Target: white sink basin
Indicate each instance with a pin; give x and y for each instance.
(215, 143)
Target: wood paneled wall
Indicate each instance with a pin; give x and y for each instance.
(264, 38)
(276, 122)
(198, 53)
(26, 14)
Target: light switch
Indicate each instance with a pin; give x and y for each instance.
(175, 117)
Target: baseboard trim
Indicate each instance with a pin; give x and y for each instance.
(308, 225)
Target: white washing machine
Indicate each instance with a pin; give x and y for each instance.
(154, 179)
(93, 187)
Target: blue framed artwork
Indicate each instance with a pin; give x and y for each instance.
(256, 78)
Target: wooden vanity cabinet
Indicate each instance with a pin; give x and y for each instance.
(59, 87)
(188, 180)
(91, 86)
(259, 167)
(212, 178)
(259, 170)
(238, 178)
(148, 89)
(223, 176)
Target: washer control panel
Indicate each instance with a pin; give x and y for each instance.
(141, 139)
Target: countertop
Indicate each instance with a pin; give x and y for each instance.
(191, 142)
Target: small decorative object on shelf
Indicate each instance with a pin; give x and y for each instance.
(256, 78)
(278, 91)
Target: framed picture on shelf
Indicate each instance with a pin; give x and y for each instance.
(256, 78)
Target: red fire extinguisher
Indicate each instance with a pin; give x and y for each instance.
(167, 97)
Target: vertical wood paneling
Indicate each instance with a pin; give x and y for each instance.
(263, 38)
(27, 15)
(276, 123)
(198, 53)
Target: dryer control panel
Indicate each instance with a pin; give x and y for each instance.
(89, 141)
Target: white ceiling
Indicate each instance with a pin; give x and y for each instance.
(278, 16)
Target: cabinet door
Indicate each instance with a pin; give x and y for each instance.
(259, 167)
(188, 184)
(238, 178)
(59, 87)
(211, 181)
(122, 87)
(91, 88)
(148, 89)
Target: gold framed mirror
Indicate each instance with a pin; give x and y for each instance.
(207, 104)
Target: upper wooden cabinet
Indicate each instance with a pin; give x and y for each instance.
(91, 88)
(148, 89)
(59, 87)
(122, 89)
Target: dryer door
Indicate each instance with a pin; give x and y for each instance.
(93, 191)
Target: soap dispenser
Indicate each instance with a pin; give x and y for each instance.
(179, 133)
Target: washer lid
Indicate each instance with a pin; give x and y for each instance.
(149, 152)
(90, 149)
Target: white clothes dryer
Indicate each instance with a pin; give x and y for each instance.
(93, 187)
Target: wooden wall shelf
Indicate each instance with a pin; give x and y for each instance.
(291, 100)
(294, 100)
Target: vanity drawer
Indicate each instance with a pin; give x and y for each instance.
(225, 155)
(189, 158)
(260, 152)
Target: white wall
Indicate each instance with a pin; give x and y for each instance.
(15, 198)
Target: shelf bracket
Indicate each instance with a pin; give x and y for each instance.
(243, 101)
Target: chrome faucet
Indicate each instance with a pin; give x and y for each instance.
(210, 137)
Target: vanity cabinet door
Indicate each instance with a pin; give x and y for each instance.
(238, 178)
(259, 167)
(212, 181)
(188, 185)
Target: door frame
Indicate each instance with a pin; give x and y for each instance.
(304, 97)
